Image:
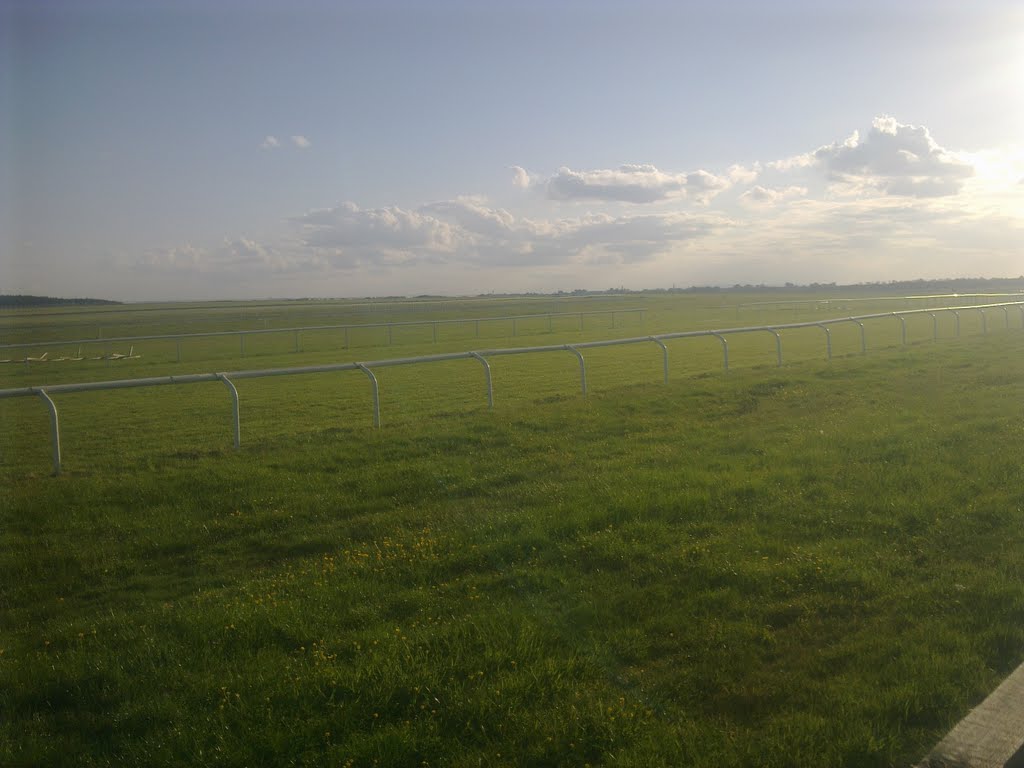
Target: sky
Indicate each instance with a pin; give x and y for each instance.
(195, 150)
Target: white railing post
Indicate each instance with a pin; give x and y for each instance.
(54, 430)
(664, 351)
(828, 340)
(583, 367)
(778, 346)
(376, 394)
(984, 322)
(234, 408)
(487, 375)
(725, 350)
(863, 338)
(935, 326)
(956, 316)
(1006, 316)
(903, 328)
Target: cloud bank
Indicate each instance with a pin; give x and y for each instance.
(633, 184)
(893, 159)
(890, 202)
(469, 230)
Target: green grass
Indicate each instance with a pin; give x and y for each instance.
(812, 565)
(662, 314)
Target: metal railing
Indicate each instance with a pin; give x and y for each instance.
(345, 329)
(482, 356)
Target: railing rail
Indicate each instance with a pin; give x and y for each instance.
(227, 378)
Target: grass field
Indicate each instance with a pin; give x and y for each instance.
(812, 565)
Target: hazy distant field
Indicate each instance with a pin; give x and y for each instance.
(812, 565)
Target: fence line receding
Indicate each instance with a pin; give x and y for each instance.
(481, 356)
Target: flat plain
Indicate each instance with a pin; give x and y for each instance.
(812, 564)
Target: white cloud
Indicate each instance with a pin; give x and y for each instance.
(740, 174)
(520, 177)
(896, 159)
(249, 254)
(377, 234)
(633, 184)
(891, 159)
(759, 196)
(185, 256)
(805, 160)
(272, 142)
(886, 203)
(629, 183)
(473, 215)
(238, 255)
(637, 238)
(469, 231)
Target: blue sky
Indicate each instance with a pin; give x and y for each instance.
(196, 150)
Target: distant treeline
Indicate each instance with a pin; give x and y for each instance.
(21, 300)
(951, 285)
